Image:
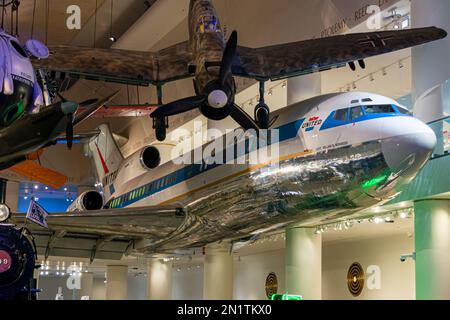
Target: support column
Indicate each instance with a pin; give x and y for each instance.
(218, 272)
(117, 283)
(432, 245)
(304, 263)
(87, 285)
(159, 280)
(430, 67)
(303, 87)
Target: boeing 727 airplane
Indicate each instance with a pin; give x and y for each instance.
(338, 154)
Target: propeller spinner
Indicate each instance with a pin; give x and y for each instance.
(217, 103)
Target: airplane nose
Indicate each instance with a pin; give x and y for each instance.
(407, 154)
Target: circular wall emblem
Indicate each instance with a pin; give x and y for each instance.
(5, 261)
(355, 279)
(271, 285)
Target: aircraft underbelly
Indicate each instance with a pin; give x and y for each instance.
(305, 189)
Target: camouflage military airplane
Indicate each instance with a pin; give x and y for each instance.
(213, 63)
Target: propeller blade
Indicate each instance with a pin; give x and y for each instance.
(228, 57)
(69, 131)
(61, 97)
(87, 103)
(93, 108)
(178, 106)
(242, 117)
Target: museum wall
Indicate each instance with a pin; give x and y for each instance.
(251, 271)
(137, 287)
(187, 284)
(397, 278)
(99, 289)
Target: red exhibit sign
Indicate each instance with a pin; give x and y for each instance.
(5, 261)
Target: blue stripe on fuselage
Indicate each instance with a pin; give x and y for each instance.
(286, 132)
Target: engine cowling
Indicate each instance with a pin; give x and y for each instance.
(150, 158)
(87, 201)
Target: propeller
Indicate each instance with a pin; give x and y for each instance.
(227, 59)
(69, 131)
(218, 101)
(69, 125)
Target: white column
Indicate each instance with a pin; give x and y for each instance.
(304, 263)
(117, 283)
(432, 245)
(87, 285)
(303, 87)
(218, 272)
(430, 67)
(159, 280)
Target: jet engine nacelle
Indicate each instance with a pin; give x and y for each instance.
(87, 201)
(142, 161)
(149, 157)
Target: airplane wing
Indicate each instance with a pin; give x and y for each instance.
(316, 55)
(35, 172)
(120, 66)
(123, 226)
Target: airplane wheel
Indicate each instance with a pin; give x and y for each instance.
(160, 129)
(262, 114)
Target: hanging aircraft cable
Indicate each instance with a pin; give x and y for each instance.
(15, 9)
(95, 23)
(47, 14)
(3, 13)
(33, 20)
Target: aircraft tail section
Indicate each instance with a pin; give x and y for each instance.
(105, 152)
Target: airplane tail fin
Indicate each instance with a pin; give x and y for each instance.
(105, 152)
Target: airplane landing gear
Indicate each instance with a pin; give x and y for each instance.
(160, 126)
(262, 114)
(262, 111)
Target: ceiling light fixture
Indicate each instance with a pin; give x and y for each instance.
(112, 38)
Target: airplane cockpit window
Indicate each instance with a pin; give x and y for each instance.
(355, 113)
(208, 24)
(341, 115)
(377, 109)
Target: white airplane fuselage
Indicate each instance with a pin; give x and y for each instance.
(338, 154)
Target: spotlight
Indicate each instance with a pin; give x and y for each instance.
(65, 189)
(36, 186)
(270, 92)
(284, 85)
(112, 39)
(403, 215)
(46, 188)
(377, 220)
(5, 212)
